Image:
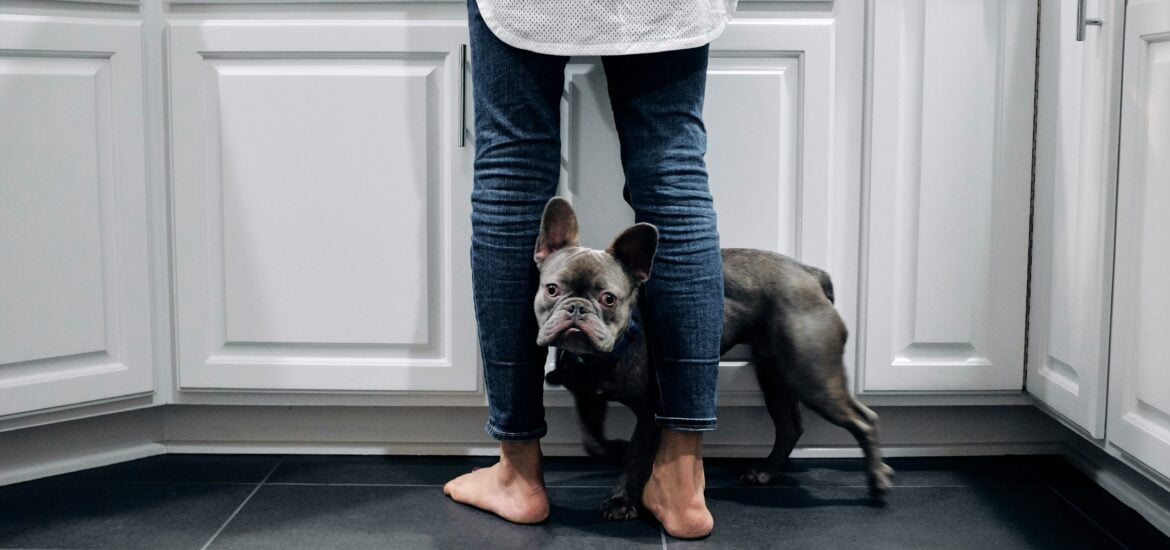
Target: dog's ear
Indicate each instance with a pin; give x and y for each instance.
(635, 249)
(558, 229)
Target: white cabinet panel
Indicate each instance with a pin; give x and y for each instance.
(321, 206)
(1139, 366)
(949, 194)
(752, 114)
(320, 169)
(768, 111)
(74, 289)
(1072, 255)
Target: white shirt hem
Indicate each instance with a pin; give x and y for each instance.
(629, 48)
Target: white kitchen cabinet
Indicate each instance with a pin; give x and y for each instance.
(1076, 174)
(779, 178)
(321, 201)
(948, 194)
(75, 323)
(1139, 363)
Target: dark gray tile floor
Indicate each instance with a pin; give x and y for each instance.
(210, 501)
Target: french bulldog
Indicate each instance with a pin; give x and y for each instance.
(587, 307)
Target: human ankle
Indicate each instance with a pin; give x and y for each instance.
(522, 459)
(681, 448)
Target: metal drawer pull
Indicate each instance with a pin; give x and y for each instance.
(1082, 22)
(463, 95)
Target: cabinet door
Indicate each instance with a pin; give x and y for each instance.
(1072, 250)
(74, 275)
(771, 175)
(320, 206)
(950, 177)
(1139, 362)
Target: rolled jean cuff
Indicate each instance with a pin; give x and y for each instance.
(501, 435)
(686, 424)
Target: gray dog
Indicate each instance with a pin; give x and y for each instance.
(586, 307)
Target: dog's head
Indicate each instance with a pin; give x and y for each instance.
(587, 296)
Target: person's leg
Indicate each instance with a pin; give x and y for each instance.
(517, 164)
(657, 101)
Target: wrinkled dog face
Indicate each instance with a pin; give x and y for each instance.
(586, 296)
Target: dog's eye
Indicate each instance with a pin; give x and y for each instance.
(608, 299)
(551, 289)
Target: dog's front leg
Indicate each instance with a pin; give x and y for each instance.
(626, 498)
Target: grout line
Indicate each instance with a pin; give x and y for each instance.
(328, 484)
(355, 484)
(895, 487)
(241, 506)
(161, 482)
(709, 486)
(1088, 517)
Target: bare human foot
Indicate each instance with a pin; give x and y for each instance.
(674, 492)
(512, 488)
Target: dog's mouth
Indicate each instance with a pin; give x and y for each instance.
(577, 340)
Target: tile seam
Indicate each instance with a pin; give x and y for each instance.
(1088, 517)
(242, 504)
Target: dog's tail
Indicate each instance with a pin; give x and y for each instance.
(823, 278)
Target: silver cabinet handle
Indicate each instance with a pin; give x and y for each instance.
(463, 95)
(1082, 22)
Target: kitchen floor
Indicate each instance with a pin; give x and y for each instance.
(283, 502)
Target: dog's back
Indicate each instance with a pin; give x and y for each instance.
(759, 286)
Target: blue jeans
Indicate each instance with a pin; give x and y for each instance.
(657, 101)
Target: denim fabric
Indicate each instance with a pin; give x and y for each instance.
(657, 103)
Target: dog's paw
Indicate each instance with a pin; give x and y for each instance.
(880, 482)
(554, 378)
(619, 507)
(756, 476)
(611, 448)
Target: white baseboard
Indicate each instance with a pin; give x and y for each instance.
(1120, 476)
(743, 431)
(56, 449)
(53, 449)
(80, 462)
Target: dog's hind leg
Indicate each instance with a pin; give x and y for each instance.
(838, 407)
(784, 408)
(886, 472)
(815, 345)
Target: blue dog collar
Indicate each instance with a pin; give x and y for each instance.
(631, 334)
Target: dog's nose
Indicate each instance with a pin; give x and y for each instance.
(576, 310)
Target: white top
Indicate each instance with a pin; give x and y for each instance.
(606, 27)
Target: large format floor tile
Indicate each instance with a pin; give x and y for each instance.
(375, 470)
(58, 514)
(350, 517)
(183, 501)
(430, 470)
(911, 472)
(922, 517)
